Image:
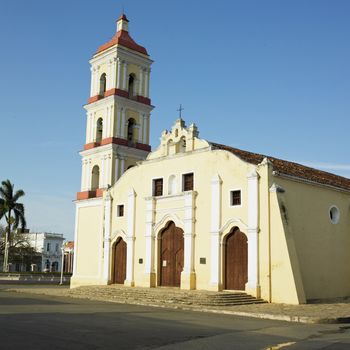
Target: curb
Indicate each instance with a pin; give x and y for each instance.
(266, 316)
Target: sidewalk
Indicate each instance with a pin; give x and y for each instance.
(331, 312)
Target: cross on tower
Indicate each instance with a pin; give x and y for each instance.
(180, 110)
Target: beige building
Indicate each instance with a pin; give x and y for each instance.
(196, 214)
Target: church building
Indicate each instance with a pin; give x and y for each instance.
(196, 214)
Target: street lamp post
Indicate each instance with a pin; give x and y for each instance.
(62, 261)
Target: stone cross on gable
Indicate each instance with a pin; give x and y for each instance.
(180, 110)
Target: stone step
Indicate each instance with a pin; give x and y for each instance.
(170, 296)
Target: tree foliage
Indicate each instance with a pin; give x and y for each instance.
(10, 209)
(13, 212)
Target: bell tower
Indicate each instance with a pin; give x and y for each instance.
(117, 112)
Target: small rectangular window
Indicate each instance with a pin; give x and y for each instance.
(236, 197)
(120, 210)
(56, 248)
(158, 187)
(48, 247)
(188, 182)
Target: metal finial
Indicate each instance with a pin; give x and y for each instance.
(180, 110)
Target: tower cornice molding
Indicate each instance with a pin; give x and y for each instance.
(124, 101)
(115, 148)
(123, 54)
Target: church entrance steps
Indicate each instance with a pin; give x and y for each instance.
(168, 296)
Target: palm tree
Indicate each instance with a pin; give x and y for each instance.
(13, 213)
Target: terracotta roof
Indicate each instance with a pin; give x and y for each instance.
(123, 38)
(289, 168)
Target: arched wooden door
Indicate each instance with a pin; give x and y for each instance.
(119, 262)
(171, 260)
(236, 260)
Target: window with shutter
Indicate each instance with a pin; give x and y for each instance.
(188, 182)
(236, 197)
(158, 187)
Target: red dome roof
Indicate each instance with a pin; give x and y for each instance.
(123, 38)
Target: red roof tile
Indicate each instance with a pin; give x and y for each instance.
(123, 38)
(123, 17)
(289, 168)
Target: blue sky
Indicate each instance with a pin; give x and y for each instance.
(265, 76)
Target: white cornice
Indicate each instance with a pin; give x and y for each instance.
(91, 202)
(122, 53)
(113, 99)
(97, 150)
(121, 150)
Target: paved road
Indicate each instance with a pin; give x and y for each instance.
(37, 322)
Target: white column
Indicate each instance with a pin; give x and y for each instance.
(147, 82)
(144, 137)
(109, 126)
(119, 117)
(83, 175)
(147, 128)
(105, 123)
(253, 284)
(122, 134)
(113, 73)
(141, 128)
(130, 239)
(93, 78)
(119, 73)
(88, 177)
(87, 174)
(122, 166)
(103, 173)
(149, 236)
(215, 224)
(125, 71)
(116, 169)
(107, 236)
(96, 81)
(141, 81)
(109, 75)
(108, 170)
(88, 122)
(92, 127)
(188, 277)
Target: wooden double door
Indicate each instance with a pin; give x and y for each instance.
(171, 256)
(236, 260)
(119, 262)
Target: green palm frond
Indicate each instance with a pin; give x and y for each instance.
(2, 208)
(18, 194)
(10, 207)
(19, 215)
(6, 190)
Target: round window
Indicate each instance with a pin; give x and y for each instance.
(334, 214)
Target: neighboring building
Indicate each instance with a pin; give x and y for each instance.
(68, 259)
(50, 247)
(196, 214)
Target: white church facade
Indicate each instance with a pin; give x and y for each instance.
(194, 214)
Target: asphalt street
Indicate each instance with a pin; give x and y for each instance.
(30, 321)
